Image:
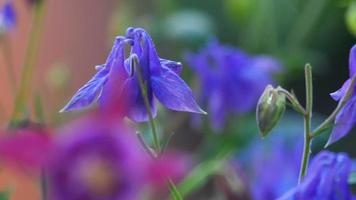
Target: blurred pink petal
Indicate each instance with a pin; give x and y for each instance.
(25, 149)
(170, 166)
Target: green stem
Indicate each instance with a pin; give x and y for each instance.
(9, 64)
(143, 87)
(148, 107)
(29, 63)
(307, 121)
(294, 101)
(328, 121)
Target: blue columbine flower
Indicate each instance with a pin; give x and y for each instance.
(346, 118)
(231, 81)
(118, 79)
(7, 17)
(326, 179)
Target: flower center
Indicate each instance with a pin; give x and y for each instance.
(99, 177)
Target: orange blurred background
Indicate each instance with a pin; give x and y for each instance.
(74, 38)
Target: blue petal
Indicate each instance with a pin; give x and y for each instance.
(112, 90)
(337, 95)
(150, 49)
(176, 67)
(342, 170)
(217, 110)
(267, 64)
(174, 93)
(87, 94)
(344, 121)
(137, 110)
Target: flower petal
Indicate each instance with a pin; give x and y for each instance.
(344, 121)
(87, 94)
(113, 99)
(176, 67)
(137, 110)
(217, 109)
(337, 95)
(267, 63)
(26, 150)
(174, 93)
(352, 61)
(149, 47)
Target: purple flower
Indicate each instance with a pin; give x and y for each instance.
(346, 118)
(117, 79)
(271, 166)
(231, 81)
(326, 179)
(96, 162)
(7, 17)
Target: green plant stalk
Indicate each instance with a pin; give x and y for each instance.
(294, 101)
(29, 63)
(307, 121)
(143, 89)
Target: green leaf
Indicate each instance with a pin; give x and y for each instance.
(199, 175)
(352, 178)
(174, 191)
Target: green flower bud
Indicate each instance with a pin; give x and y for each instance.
(270, 109)
(351, 18)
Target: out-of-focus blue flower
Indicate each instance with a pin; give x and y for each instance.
(271, 165)
(7, 17)
(326, 179)
(231, 81)
(346, 118)
(117, 80)
(96, 162)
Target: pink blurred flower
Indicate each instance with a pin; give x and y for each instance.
(26, 149)
(171, 166)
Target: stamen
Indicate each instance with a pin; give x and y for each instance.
(133, 64)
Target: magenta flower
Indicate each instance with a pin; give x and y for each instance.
(231, 81)
(326, 179)
(117, 79)
(96, 162)
(26, 150)
(346, 118)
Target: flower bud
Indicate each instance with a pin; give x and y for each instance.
(270, 109)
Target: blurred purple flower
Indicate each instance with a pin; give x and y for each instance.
(93, 161)
(117, 79)
(346, 118)
(269, 167)
(326, 179)
(231, 81)
(7, 17)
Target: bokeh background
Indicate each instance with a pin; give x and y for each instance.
(78, 34)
